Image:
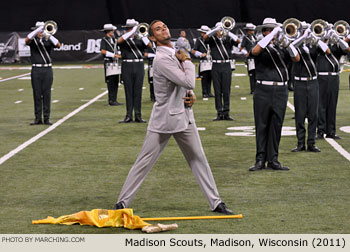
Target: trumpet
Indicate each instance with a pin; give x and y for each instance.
(50, 27)
(142, 30)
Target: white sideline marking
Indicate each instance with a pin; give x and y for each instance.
(55, 101)
(201, 128)
(49, 129)
(20, 90)
(331, 141)
(81, 88)
(243, 98)
(236, 86)
(16, 102)
(25, 78)
(15, 77)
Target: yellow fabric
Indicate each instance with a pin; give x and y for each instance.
(99, 218)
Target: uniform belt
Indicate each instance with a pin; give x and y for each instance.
(207, 61)
(328, 73)
(41, 65)
(132, 60)
(273, 83)
(305, 78)
(221, 61)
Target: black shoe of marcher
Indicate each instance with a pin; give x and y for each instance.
(313, 148)
(211, 95)
(333, 136)
(126, 120)
(119, 205)
(228, 118)
(275, 165)
(259, 165)
(219, 118)
(47, 122)
(139, 120)
(36, 122)
(319, 136)
(222, 208)
(300, 147)
(205, 96)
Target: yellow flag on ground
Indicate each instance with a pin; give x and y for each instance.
(100, 218)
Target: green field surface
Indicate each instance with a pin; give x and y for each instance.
(82, 164)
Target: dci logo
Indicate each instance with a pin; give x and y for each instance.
(93, 46)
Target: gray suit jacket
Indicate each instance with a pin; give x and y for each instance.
(171, 82)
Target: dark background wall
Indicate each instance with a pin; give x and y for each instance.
(18, 15)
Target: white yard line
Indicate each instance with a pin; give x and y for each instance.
(331, 141)
(49, 129)
(14, 77)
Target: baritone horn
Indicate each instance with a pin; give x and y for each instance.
(319, 28)
(142, 30)
(50, 27)
(292, 28)
(341, 28)
(227, 23)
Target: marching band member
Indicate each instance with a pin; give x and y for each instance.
(151, 53)
(109, 49)
(328, 77)
(248, 42)
(306, 90)
(220, 48)
(270, 95)
(183, 44)
(41, 44)
(132, 70)
(202, 51)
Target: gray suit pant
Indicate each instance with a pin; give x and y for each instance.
(190, 145)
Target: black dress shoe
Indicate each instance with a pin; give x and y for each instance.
(139, 120)
(47, 122)
(319, 136)
(300, 147)
(119, 205)
(211, 95)
(205, 96)
(126, 120)
(275, 165)
(228, 118)
(222, 208)
(115, 103)
(333, 136)
(219, 118)
(259, 165)
(313, 148)
(36, 122)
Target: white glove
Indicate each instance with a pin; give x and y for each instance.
(267, 39)
(198, 54)
(35, 32)
(343, 45)
(300, 40)
(322, 45)
(233, 36)
(292, 51)
(151, 55)
(53, 40)
(130, 33)
(109, 54)
(145, 40)
(213, 31)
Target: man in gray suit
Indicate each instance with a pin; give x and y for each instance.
(174, 80)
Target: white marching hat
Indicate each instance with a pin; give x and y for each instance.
(130, 23)
(249, 26)
(268, 23)
(204, 28)
(37, 24)
(109, 27)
